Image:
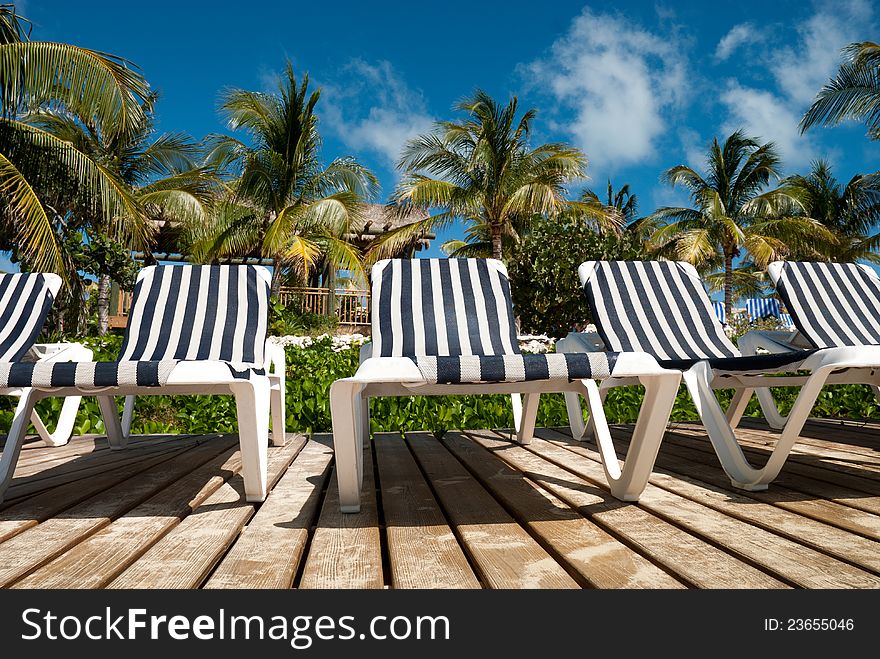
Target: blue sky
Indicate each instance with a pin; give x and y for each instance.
(639, 86)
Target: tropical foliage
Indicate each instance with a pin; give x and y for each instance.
(853, 94)
(101, 91)
(733, 213)
(283, 204)
(483, 171)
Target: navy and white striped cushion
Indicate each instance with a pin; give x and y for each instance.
(661, 308)
(762, 307)
(454, 318)
(440, 307)
(516, 368)
(25, 301)
(178, 313)
(832, 304)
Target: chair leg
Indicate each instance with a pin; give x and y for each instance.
(775, 418)
(742, 474)
(575, 416)
(525, 428)
(738, 406)
(64, 427)
(628, 483)
(15, 438)
(112, 426)
(346, 411)
(252, 406)
(590, 428)
(127, 415)
(276, 403)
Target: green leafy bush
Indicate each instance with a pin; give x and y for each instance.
(543, 272)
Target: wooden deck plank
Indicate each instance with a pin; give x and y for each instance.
(76, 470)
(594, 557)
(346, 549)
(32, 548)
(708, 485)
(502, 552)
(787, 559)
(843, 516)
(691, 559)
(29, 512)
(268, 552)
(423, 551)
(101, 557)
(184, 556)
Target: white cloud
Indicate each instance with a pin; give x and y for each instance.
(765, 115)
(802, 70)
(739, 35)
(619, 81)
(694, 147)
(799, 71)
(372, 109)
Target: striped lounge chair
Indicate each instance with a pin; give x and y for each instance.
(832, 305)
(191, 330)
(446, 326)
(25, 300)
(661, 308)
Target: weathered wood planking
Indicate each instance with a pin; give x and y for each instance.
(502, 552)
(268, 552)
(33, 510)
(422, 550)
(346, 550)
(184, 556)
(32, 548)
(101, 557)
(787, 559)
(691, 559)
(593, 556)
(76, 470)
(842, 516)
(708, 485)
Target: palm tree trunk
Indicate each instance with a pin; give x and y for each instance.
(276, 277)
(496, 240)
(103, 304)
(728, 286)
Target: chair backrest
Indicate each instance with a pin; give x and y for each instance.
(25, 301)
(199, 312)
(762, 307)
(442, 307)
(658, 307)
(832, 304)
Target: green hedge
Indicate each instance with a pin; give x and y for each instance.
(310, 372)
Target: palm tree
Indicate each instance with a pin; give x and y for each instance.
(733, 216)
(854, 93)
(623, 202)
(159, 172)
(97, 88)
(482, 170)
(851, 212)
(284, 204)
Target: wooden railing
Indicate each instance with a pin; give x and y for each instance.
(352, 307)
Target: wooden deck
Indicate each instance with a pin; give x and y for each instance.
(470, 511)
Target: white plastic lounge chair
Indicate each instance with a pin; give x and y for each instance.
(191, 330)
(832, 305)
(25, 300)
(57, 352)
(446, 326)
(661, 307)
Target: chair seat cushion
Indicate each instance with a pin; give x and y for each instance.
(754, 364)
(97, 375)
(473, 369)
